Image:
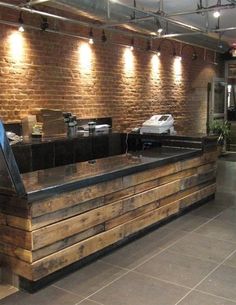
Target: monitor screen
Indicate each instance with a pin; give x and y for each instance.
(163, 118)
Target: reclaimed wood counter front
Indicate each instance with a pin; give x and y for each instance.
(73, 211)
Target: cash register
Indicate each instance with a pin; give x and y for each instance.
(158, 124)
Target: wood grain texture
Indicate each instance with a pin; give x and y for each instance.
(56, 232)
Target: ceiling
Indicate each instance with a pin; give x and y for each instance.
(190, 21)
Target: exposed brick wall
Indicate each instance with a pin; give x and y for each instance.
(51, 73)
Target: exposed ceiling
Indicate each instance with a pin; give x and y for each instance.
(186, 20)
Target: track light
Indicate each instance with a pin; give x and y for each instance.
(44, 24)
(132, 44)
(104, 37)
(149, 45)
(216, 14)
(21, 22)
(91, 41)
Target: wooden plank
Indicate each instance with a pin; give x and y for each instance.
(183, 193)
(62, 244)
(18, 266)
(49, 218)
(150, 218)
(17, 252)
(75, 252)
(114, 196)
(70, 199)
(16, 237)
(130, 215)
(197, 196)
(18, 222)
(58, 231)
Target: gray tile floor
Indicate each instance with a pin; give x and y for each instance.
(189, 261)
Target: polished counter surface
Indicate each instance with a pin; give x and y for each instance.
(44, 183)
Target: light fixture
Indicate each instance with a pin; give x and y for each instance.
(44, 24)
(194, 55)
(104, 37)
(91, 41)
(159, 27)
(149, 45)
(132, 44)
(216, 14)
(21, 22)
(159, 52)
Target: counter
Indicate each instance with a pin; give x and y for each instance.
(74, 211)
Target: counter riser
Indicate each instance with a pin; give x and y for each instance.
(53, 233)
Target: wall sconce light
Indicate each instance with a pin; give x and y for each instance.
(132, 44)
(91, 41)
(44, 24)
(104, 37)
(194, 55)
(159, 27)
(21, 22)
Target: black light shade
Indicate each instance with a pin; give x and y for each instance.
(104, 37)
(44, 24)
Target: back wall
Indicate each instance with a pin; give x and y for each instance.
(41, 69)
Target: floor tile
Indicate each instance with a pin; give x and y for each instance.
(89, 302)
(203, 247)
(231, 261)
(228, 215)
(219, 230)
(227, 179)
(90, 278)
(221, 282)
(48, 296)
(140, 250)
(137, 289)
(198, 298)
(208, 210)
(177, 268)
(187, 222)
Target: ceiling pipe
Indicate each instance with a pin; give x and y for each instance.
(65, 19)
(136, 20)
(203, 10)
(162, 17)
(34, 2)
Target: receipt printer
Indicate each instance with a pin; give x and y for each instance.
(158, 124)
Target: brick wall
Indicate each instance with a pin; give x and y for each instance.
(41, 69)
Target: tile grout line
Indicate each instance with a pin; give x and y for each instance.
(214, 295)
(213, 270)
(162, 250)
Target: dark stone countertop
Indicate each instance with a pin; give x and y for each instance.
(45, 183)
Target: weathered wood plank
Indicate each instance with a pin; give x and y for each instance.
(130, 215)
(69, 199)
(49, 218)
(18, 266)
(58, 231)
(16, 237)
(62, 244)
(17, 252)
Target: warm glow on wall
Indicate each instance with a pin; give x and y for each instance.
(16, 46)
(128, 61)
(155, 62)
(177, 69)
(85, 57)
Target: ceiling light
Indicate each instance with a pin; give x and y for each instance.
(160, 30)
(216, 14)
(91, 41)
(21, 22)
